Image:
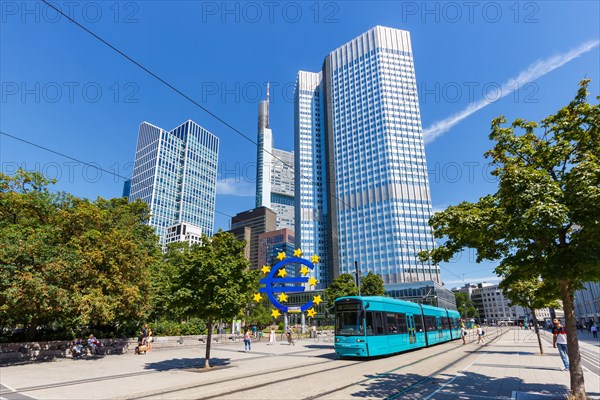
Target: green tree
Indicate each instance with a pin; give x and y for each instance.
(544, 220)
(213, 281)
(533, 294)
(343, 285)
(68, 261)
(372, 285)
(465, 304)
(115, 250)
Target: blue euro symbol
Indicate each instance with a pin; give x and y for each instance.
(271, 280)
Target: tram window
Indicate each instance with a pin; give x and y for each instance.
(392, 323)
(402, 328)
(379, 327)
(445, 323)
(430, 323)
(349, 322)
(370, 323)
(418, 323)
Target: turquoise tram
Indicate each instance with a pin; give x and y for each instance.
(371, 326)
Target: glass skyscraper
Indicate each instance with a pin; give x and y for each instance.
(361, 176)
(275, 172)
(175, 173)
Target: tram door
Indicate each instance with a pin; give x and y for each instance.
(410, 322)
(438, 321)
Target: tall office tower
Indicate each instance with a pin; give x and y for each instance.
(312, 210)
(361, 181)
(249, 225)
(275, 172)
(175, 172)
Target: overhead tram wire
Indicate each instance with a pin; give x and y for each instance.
(216, 117)
(80, 161)
(63, 155)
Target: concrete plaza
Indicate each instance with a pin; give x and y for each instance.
(509, 366)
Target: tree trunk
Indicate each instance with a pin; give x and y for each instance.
(537, 330)
(31, 330)
(208, 341)
(576, 372)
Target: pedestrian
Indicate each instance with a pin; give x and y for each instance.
(247, 340)
(254, 331)
(463, 334)
(144, 332)
(594, 329)
(480, 333)
(149, 339)
(272, 339)
(560, 340)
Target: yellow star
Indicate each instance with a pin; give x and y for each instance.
(304, 270)
(282, 273)
(311, 312)
(283, 297)
(298, 253)
(312, 281)
(275, 313)
(257, 297)
(281, 255)
(265, 269)
(317, 299)
(315, 259)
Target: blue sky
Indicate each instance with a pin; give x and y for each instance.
(63, 89)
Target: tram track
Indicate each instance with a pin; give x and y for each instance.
(318, 370)
(409, 387)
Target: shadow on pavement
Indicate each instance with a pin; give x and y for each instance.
(466, 385)
(522, 353)
(182, 363)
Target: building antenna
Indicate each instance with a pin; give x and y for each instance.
(268, 95)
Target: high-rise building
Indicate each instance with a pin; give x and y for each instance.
(361, 175)
(175, 173)
(275, 172)
(258, 221)
(270, 244)
(587, 303)
(126, 188)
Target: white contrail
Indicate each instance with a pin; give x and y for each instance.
(534, 71)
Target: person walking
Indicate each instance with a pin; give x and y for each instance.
(463, 334)
(594, 329)
(480, 333)
(247, 340)
(272, 336)
(149, 339)
(560, 340)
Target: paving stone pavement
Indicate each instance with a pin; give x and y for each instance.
(509, 366)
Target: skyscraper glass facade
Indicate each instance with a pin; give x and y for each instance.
(274, 174)
(312, 225)
(175, 173)
(376, 184)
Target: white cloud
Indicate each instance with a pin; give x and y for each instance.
(235, 187)
(533, 72)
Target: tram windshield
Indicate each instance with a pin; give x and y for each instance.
(349, 319)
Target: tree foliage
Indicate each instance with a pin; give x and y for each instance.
(372, 285)
(532, 294)
(212, 280)
(463, 301)
(343, 285)
(70, 261)
(544, 220)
